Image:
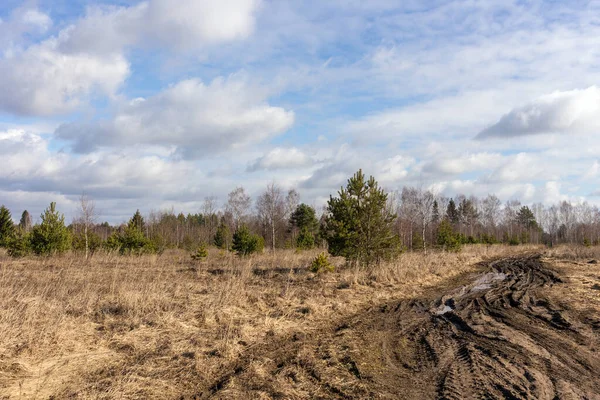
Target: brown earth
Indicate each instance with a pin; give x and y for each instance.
(521, 327)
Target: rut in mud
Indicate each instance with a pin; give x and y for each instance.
(499, 336)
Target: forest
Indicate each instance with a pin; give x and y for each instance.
(417, 219)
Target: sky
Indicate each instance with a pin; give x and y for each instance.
(157, 104)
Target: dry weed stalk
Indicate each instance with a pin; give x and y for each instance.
(159, 326)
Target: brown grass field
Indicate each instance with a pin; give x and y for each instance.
(167, 327)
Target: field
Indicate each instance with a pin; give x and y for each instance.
(165, 326)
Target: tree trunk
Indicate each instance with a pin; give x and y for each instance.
(85, 230)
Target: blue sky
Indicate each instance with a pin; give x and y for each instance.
(159, 103)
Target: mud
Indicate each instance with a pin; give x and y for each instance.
(502, 334)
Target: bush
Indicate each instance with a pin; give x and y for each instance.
(446, 238)
(94, 242)
(51, 236)
(19, 245)
(221, 239)
(245, 243)
(321, 264)
(200, 254)
(514, 241)
(132, 241)
(305, 240)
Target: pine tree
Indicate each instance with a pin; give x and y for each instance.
(222, 236)
(25, 222)
(304, 221)
(7, 227)
(137, 221)
(452, 213)
(51, 236)
(446, 237)
(526, 219)
(435, 214)
(245, 243)
(358, 225)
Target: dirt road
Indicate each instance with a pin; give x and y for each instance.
(509, 332)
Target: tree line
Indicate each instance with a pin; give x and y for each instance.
(362, 222)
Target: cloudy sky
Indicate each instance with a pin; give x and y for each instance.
(159, 103)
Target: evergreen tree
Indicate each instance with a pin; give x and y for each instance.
(446, 237)
(305, 240)
(7, 227)
(304, 217)
(304, 220)
(452, 213)
(137, 221)
(435, 213)
(526, 219)
(222, 236)
(19, 245)
(358, 224)
(51, 236)
(468, 213)
(245, 243)
(25, 222)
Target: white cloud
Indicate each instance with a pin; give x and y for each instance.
(462, 164)
(195, 119)
(185, 24)
(567, 112)
(59, 74)
(22, 21)
(42, 81)
(281, 158)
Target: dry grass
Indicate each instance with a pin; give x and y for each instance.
(163, 326)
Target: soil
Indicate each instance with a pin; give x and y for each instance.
(516, 330)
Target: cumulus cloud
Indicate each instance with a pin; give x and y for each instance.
(186, 24)
(22, 21)
(31, 166)
(281, 158)
(59, 74)
(42, 81)
(193, 118)
(563, 112)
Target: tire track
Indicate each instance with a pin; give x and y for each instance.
(499, 336)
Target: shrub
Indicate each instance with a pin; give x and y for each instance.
(221, 238)
(305, 240)
(51, 236)
(132, 240)
(200, 254)
(446, 238)
(19, 245)
(245, 242)
(94, 242)
(321, 264)
(417, 241)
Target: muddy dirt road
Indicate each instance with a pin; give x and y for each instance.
(508, 332)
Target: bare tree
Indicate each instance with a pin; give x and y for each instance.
(86, 218)
(271, 208)
(209, 211)
(490, 207)
(238, 204)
